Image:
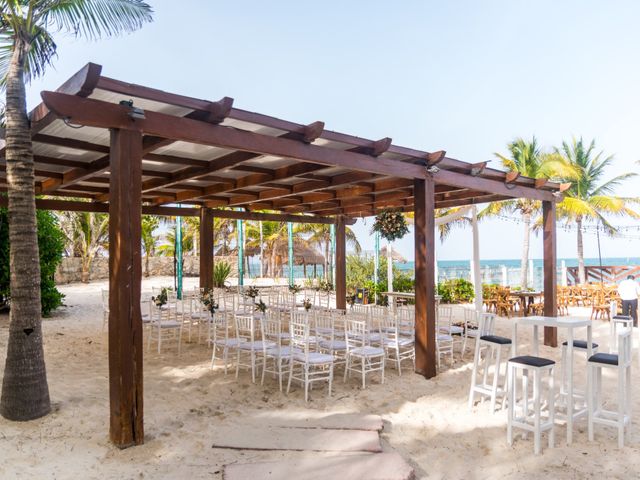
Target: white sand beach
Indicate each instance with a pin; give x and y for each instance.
(425, 421)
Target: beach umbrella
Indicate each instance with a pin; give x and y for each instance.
(395, 255)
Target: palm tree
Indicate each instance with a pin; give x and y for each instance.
(527, 159)
(27, 47)
(87, 234)
(149, 241)
(589, 199)
(320, 235)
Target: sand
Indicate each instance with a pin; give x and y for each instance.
(426, 422)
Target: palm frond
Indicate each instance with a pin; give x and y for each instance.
(94, 19)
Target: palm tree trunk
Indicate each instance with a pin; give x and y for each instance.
(25, 393)
(146, 265)
(581, 272)
(524, 262)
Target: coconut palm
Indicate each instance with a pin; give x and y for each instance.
(149, 241)
(320, 235)
(590, 198)
(87, 234)
(528, 159)
(27, 47)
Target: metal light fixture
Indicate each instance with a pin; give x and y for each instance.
(433, 169)
(134, 112)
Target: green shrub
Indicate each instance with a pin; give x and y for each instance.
(221, 271)
(456, 290)
(51, 246)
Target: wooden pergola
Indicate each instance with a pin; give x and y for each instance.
(213, 159)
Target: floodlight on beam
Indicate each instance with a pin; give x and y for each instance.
(134, 112)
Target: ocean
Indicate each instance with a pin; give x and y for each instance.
(492, 271)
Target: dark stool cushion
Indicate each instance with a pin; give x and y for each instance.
(622, 317)
(581, 344)
(606, 358)
(496, 339)
(533, 361)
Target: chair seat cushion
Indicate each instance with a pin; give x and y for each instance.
(496, 339)
(333, 345)
(580, 344)
(443, 337)
(315, 358)
(367, 351)
(258, 345)
(606, 358)
(532, 361)
(169, 324)
(402, 342)
(453, 330)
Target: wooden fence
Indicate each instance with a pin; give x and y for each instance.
(608, 274)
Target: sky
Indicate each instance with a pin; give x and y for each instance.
(462, 76)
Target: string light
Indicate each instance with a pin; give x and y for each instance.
(622, 231)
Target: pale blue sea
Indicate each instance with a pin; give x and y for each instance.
(492, 270)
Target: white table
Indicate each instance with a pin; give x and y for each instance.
(569, 323)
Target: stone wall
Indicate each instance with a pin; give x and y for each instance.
(70, 270)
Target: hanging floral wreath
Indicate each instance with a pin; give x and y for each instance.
(391, 225)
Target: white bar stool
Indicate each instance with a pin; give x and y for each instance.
(621, 362)
(492, 345)
(531, 423)
(579, 346)
(618, 322)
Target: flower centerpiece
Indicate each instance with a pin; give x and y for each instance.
(326, 286)
(293, 288)
(162, 298)
(306, 303)
(208, 299)
(261, 307)
(390, 225)
(252, 292)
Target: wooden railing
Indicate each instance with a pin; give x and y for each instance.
(606, 274)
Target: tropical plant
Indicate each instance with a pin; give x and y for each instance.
(27, 47)
(87, 234)
(590, 198)
(528, 159)
(221, 270)
(51, 248)
(149, 241)
(456, 290)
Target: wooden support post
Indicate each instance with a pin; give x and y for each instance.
(206, 248)
(341, 265)
(425, 341)
(125, 274)
(550, 276)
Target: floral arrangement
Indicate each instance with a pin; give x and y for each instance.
(306, 303)
(208, 299)
(391, 225)
(261, 307)
(326, 286)
(294, 288)
(162, 298)
(252, 292)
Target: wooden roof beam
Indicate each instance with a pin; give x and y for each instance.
(312, 131)
(108, 115)
(82, 84)
(477, 168)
